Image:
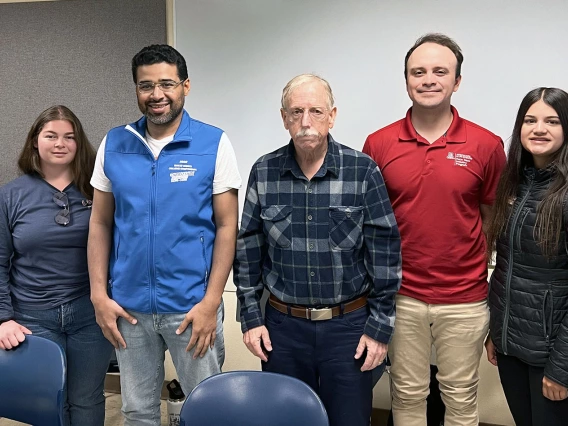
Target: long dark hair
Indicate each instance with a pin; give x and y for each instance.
(84, 161)
(549, 221)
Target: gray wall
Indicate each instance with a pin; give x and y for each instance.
(76, 53)
(242, 53)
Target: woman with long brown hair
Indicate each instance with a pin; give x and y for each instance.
(44, 281)
(528, 296)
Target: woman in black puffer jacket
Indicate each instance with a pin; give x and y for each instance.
(528, 296)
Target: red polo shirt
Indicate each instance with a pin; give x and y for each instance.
(436, 190)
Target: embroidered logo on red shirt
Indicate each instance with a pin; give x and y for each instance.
(461, 160)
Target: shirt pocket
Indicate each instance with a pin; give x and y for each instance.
(277, 221)
(345, 227)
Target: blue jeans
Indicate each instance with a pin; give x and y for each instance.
(142, 363)
(72, 325)
(321, 353)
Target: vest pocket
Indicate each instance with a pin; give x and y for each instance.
(205, 263)
(345, 227)
(278, 225)
(116, 245)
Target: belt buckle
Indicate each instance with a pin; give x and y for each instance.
(320, 314)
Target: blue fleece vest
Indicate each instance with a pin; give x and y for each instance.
(164, 227)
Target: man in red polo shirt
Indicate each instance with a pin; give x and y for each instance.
(441, 173)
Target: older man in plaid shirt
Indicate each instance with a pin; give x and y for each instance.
(318, 232)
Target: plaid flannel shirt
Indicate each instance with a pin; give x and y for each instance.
(318, 242)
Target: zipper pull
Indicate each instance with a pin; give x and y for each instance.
(153, 168)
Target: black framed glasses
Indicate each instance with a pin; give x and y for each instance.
(63, 217)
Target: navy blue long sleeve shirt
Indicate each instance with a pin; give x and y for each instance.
(42, 264)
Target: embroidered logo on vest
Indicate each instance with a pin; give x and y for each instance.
(181, 171)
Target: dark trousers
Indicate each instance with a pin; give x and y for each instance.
(321, 353)
(522, 385)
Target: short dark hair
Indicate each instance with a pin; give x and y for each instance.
(158, 53)
(442, 40)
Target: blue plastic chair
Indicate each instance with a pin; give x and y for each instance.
(253, 398)
(32, 379)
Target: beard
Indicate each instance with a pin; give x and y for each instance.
(168, 117)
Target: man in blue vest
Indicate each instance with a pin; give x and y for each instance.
(162, 237)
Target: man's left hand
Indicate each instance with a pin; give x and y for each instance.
(376, 352)
(203, 320)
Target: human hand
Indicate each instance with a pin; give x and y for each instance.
(12, 334)
(552, 390)
(203, 320)
(255, 338)
(376, 352)
(491, 353)
(107, 312)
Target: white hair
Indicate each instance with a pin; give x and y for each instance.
(306, 78)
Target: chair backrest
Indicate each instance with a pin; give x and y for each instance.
(32, 379)
(253, 398)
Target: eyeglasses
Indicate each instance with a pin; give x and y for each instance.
(164, 86)
(63, 217)
(316, 113)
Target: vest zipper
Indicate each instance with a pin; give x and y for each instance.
(513, 229)
(153, 191)
(151, 262)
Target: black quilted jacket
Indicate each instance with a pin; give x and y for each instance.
(528, 292)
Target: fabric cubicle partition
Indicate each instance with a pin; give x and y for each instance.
(72, 52)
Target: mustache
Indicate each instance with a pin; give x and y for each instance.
(307, 132)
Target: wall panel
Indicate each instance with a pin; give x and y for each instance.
(76, 53)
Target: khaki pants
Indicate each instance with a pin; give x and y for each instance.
(457, 332)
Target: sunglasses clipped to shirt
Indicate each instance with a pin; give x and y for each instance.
(63, 217)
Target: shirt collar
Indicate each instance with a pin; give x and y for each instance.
(330, 164)
(455, 134)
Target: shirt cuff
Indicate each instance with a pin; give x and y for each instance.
(250, 321)
(378, 331)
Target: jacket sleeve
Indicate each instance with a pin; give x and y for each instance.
(557, 366)
(6, 251)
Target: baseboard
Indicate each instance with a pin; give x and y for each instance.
(379, 416)
(112, 385)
